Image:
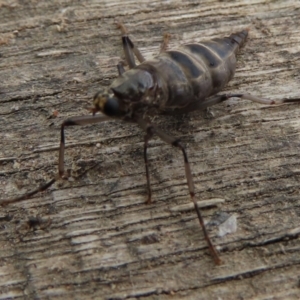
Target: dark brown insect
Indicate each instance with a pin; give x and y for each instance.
(175, 81)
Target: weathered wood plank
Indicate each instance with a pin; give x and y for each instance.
(103, 241)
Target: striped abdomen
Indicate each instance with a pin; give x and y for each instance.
(197, 71)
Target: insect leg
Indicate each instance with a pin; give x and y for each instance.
(201, 105)
(29, 194)
(151, 130)
(221, 98)
(165, 43)
(262, 100)
(129, 48)
(148, 136)
(81, 120)
(120, 67)
(212, 101)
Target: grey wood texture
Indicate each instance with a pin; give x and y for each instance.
(103, 242)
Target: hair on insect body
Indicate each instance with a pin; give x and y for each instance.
(174, 82)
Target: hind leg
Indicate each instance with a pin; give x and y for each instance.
(221, 98)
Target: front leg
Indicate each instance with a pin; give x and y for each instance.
(81, 120)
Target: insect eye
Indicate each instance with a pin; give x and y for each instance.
(107, 105)
(111, 107)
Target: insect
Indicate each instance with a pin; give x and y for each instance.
(174, 82)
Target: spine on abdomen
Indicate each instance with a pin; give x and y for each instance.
(239, 37)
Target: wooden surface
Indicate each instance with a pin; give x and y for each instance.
(103, 241)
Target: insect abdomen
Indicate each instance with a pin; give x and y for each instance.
(197, 71)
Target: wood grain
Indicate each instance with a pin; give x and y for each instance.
(103, 241)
